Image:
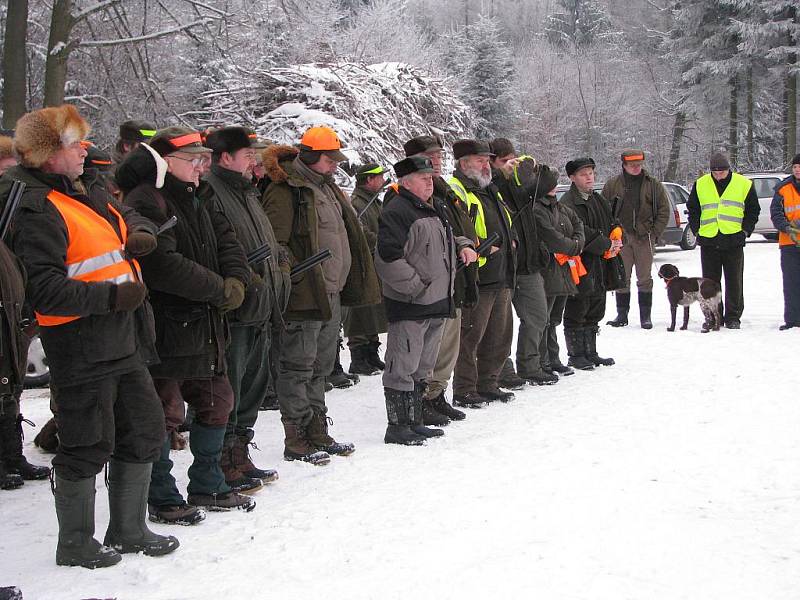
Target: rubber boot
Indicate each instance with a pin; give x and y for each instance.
(11, 437)
(127, 503)
(415, 417)
(576, 350)
(590, 340)
(360, 363)
(75, 511)
(398, 430)
(374, 358)
(623, 307)
(645, 306)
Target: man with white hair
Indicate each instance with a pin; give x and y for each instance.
(487, 328)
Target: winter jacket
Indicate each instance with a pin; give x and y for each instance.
(185, 274)
(499, 270)
(361, 199)
(532, 256)
(646, 217)
(595, 214)
(724, 241)
(238, 199)
(13, 342)
(561, 231)
(289, 203)
(102, 342)
(785, 201)
(416, 259)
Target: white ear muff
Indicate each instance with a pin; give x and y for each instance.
(161, 166)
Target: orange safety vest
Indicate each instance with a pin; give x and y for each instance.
(576, 268)
(791, 208)
(94, 250)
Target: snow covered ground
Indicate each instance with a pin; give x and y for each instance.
(674, 474)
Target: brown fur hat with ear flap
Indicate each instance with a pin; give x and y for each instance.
(6, 147)
(42, 133)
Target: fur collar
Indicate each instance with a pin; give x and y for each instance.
(273, 156)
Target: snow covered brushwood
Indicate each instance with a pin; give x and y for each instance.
(373, 108)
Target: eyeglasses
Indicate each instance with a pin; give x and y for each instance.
(197, 162)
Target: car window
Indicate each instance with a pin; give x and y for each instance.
(765, 186)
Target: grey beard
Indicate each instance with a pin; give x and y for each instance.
(483, 181)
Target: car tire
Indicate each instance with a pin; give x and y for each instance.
(688, 239)
(38, 369)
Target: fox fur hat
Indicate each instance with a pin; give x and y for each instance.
(6, 147)
(42, 133)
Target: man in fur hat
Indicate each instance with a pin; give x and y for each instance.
(309, 213)
(85, 286)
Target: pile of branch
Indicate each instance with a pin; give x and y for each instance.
(373, 108)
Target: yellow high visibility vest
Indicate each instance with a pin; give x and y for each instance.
(471, 200)
(722, 214)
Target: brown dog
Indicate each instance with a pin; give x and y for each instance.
(684, 291)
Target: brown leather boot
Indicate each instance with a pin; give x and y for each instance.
(242, 461)
(237, 480)
(319, 437)
(297, 447)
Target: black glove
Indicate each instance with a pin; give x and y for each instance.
(127, 296)
(140, 243)
(234, 295)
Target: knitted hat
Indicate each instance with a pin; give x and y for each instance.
(228, 139)
(796, 159)
(462, 148)
(577, 164)
(413, 164)
(718, 161)
(422, 143)
(136, 131)
(177, 138)
(42, 133)
(501, 147)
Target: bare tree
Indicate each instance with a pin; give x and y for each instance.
(15, 63)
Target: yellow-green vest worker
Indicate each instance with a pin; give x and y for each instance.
(722, 214)
(475, 207)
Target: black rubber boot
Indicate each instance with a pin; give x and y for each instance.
(397, 407)
(415, 413)
(374, 358)
(15, 462)
(590, 339)
(127, 502)
(623, 308)
(75, 511)
(576, 349)
(360, 363)
(645, 306)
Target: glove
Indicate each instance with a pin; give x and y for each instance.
(233, 291)
(140, 243)
(127, 296)
(256, 281)
(794, 233)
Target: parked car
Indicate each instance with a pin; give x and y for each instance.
(764, 184)
(38, 371)
(677, 232)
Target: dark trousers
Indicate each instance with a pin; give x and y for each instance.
(530, 302)
(486, 334)
(308, 352)
(549, 349)
(411, 350)
(248, 373)
(117, 416)
(212, 401)
(790, 268)
(730, 263)
(584, 310)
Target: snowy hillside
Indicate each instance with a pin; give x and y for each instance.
(673, 475)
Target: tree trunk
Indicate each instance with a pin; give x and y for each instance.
(733, 125)
(751, 146)
(58, 51)
(15, 63)
(791, 102)
(678, 128)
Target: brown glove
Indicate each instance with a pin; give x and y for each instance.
(127, 296)
(234, 294)
(140, 243)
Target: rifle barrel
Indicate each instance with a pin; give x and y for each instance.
(12, 202)
(310, 262)
(482, 248)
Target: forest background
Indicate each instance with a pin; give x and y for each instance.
(561, 78)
